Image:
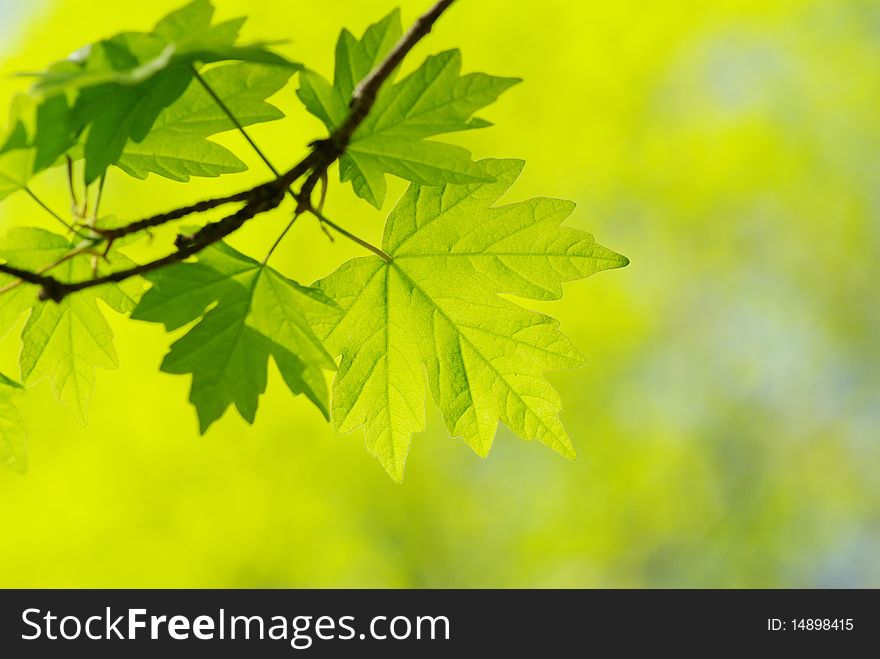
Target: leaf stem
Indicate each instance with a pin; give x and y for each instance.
(278, 240)
(348, 234)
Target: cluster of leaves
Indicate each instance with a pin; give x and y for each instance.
(131, 101)
(429, 317)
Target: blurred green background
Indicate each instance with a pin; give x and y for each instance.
(727, 419)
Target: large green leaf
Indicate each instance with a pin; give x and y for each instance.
(64, 342)
(432, 100)
(258, 313)
(176, 147)
(436, 309)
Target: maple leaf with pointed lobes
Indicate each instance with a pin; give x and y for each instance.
(258, 313)
(62, 342)
(433, 100)
(436, 309)
(13, 438)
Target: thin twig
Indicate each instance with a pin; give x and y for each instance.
(179, 213)
(278, 240)
(187, 246)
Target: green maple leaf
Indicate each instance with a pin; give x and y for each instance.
(13, 439)
(258, 313)
(432, 100)
(64, 342)
(122, 84)
(176, 146)
(436, 309)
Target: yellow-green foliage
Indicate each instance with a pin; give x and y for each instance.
(726, 422)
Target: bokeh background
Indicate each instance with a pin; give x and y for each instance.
(727, 420)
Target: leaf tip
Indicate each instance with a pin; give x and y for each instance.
(205, 420)
(561, 443)
(394, 18)
(394, 468)
(481, 445)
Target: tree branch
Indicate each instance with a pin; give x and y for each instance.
(187, 246)
(26, 276)
(177, 214)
